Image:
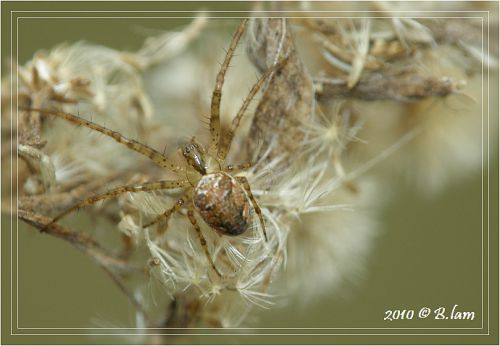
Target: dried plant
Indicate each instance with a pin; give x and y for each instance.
(320, 82)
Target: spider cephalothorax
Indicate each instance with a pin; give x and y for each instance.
(221, 199)
(193, 154)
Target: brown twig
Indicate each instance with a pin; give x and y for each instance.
(404, 86)
(113, 266)
(56, 202)
(454, 31)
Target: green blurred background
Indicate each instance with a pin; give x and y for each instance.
(428, 252)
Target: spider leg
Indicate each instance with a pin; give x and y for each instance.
(202, 239)
(239, 167)
(246, 186)
(155, 156)
(158, 185)
(169, 212)
(200, 146)
(217, 93)
(227, 140)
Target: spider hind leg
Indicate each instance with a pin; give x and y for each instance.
(243, 181)
(202, 240)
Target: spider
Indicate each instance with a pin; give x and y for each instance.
(210, 189)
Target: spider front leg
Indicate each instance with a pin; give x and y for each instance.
(155, 156)
(217, 93)
(202, 239)
(158, 185)
(227, 139)
(243, 181)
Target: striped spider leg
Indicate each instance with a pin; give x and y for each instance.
(155, 156)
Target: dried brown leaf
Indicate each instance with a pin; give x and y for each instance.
(288, 99)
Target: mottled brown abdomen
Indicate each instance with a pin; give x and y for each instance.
(222, 203)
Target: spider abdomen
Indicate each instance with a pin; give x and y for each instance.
(222, 203)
